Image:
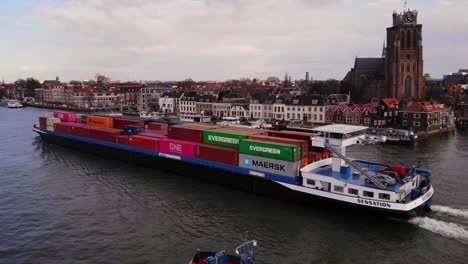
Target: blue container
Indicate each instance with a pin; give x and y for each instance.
(346, 171)
(133, 130)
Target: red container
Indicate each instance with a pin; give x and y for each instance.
(43, 122)
(65, 116)
(292, 134)
(122, 139)
(218, 154)
(302, 143)
(150, 143)
(304, 162)
(178, 147)
(63, 127)
(120, 123)
(81, 130)
(187, 133)
(158, 126)
(104, 134)
(152, 135)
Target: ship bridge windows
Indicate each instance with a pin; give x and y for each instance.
(310, 182)
(384, 196)
(337, 188)
(353, 191)
(368, 194)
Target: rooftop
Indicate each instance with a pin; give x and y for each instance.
(340, 129)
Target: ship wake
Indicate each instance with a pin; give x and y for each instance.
(439, 209)
(446, 229)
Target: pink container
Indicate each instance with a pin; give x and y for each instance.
(65, 116)
(178, 147)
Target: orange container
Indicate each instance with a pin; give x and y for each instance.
(304, 162)
(100, 121)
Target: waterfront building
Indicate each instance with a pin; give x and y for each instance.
(148, 97)
(187, 103)
(204, 105)
(307, 108)
(240, 110)
(425, 116)
(169, 102)
(222, 109)
(261, 106)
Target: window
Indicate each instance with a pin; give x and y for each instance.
(416, 123)
(405, 115)
(417, 116)
(310, 182)
(338, 188)
(384, 196)
(404, 123)
(353, 191)
(368, 194)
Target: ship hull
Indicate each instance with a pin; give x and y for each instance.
(239, 181)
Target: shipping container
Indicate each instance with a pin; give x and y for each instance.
(228, 139)
(122, 139)
(178, 147)
(292, 134)
(186, 133)
(249, 131)
(156, 132)
(43, 122)
(218, 154)
(104, 134)
(153, 135)
(270, 149)
(81, 130)
(50, 121)
(280, 167)
(65, 116)
(80, 118)
(150, 143)
(120, 123)
(304, 161)
(158, 126)
(63, 127)
(100, 121)
(302, 143)
(133, 129)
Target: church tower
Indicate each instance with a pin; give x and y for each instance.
(404, 57)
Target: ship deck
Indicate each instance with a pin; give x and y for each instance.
(326, 170)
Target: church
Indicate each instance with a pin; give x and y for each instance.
(398, 73)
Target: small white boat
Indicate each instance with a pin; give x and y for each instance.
(14, 104)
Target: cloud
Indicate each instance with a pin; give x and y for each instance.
(221, 39)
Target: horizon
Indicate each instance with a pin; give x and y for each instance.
(220, 40)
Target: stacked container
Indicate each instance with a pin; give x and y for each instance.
(280, 167)
(158, 126)
(133, 129)
(100, 121)
(50, 121)
(150, 143)
(122, 139)
(292, 134)
(302, 143)
(218, 154)
(187, 133)
(43, 122)
(228, 139)
(65, 116)
(270, 149)
(249, 131)
(178, 147)
(104, 134)
(121, 123)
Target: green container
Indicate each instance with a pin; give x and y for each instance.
(223, 138)
(270, 149)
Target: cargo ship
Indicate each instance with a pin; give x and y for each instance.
(290, 165)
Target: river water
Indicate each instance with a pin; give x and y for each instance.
(62, 206)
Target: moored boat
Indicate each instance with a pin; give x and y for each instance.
(293, 166)
(14, 104)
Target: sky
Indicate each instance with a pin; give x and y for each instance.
(215, 39)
